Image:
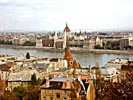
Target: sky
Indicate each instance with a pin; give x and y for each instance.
(52, 15)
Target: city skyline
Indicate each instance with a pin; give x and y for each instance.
(52, 15)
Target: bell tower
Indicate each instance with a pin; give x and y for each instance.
(68, 56)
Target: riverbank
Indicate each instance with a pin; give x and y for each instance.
(99, 51)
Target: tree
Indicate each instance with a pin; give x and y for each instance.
(34, 80)
(19, 91)
(27, 55)
(28, 43)
(98, 47)
(31, 94)
(115, 45)
(98, 83)
(10, 96)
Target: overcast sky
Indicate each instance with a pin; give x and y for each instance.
(53, 14)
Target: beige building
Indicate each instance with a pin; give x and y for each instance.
(23, 40)
(39, 43)
(48, 42)
(22, 79)
(124, 43)
(5, 70)
(32, 38)
(93, 41)
(61, 88)
(15, 41)
(19, 41)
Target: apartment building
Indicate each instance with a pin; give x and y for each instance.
(62, 88)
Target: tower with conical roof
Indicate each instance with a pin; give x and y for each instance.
(68, 56)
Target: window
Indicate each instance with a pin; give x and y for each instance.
(44, 91)
(57, 95)
(44, 98)
(50, 91)
(29, 83)
(51, 98)
(71, 62)
(64, 91)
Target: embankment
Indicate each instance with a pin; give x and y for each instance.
(126, 52)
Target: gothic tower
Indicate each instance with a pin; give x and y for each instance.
(66, 36)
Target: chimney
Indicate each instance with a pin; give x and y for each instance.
(68, 84)
(47, 83)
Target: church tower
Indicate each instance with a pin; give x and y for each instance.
(55, 38)
(68, 56)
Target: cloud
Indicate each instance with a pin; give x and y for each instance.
(53, 14)
(5, 1)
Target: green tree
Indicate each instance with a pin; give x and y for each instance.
(27, 55)
(31, 94)
(34, 80)
(10, 96)
(28, 43)
(19, 91)
(6, 42)
(98, 47)
(98, 83)
(115, 45)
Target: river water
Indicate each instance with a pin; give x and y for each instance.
(85, 59)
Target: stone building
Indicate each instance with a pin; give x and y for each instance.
(21, 78)
(61, 88)
(48, 42)
(124, 43)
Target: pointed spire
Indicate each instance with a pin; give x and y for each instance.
(68, 55)
(66, 28)
(80, 32)
(66, 24)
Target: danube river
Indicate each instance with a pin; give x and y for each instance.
(85, 59)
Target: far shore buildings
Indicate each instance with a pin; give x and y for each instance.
(58, 42)
(83, 39)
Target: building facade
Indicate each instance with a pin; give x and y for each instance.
(60, 88)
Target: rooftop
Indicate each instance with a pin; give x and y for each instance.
(62, 79)
(68, 55)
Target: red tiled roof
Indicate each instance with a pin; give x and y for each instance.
(4, 67)
(75, 64)
(68, 55)
(54, 60)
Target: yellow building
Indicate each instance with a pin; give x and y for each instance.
(61, 88)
